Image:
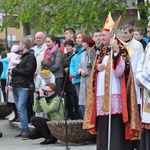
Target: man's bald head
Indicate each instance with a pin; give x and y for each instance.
(39, 38)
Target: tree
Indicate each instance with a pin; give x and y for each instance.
(56, 15)
(144, 10)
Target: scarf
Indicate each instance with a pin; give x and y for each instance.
(45, 73)
(78, 46)
(49, 53)
(50, 98)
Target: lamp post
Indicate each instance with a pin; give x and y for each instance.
(6, 40)
(1, 22)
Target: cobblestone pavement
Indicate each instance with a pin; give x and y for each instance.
(9, 142)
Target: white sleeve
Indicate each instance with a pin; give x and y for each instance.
(53, 78)
(37, 82)
(119, 68)
(144, 75)
(140, 64)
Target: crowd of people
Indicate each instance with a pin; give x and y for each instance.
(103, 78)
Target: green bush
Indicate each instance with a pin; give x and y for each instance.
(2, 48)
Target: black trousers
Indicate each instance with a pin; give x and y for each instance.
(29, 106)
(117, 137)
(69, 106)
(3, 86)
(41, 129)
(75, 100)
(72, 104)
(145, 140)
(135, 144)
(59, 85)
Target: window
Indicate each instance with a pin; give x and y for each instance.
(11, 38)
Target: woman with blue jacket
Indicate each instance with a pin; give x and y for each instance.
(75, 61)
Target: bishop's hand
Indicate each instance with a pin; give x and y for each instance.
(114, 45)
(138, 83)
(101, 67)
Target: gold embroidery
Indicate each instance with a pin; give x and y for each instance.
(107, 95)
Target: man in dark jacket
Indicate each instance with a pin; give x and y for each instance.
(22, 81)
(97, 38)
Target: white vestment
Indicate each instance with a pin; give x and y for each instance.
(116, 100)
(135, 52)
(143, 74)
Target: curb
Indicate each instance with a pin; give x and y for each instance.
(18, 125)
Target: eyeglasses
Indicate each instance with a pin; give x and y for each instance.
(47, 91)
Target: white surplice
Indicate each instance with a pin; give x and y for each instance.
(143, 74)
(116, 100)
(135, 50)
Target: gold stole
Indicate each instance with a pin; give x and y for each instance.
(107, 96)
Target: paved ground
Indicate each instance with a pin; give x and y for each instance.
(9, 142)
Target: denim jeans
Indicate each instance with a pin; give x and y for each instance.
(20, 97)
(82, 109)
(77, 86)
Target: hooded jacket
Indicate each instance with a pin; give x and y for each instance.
(41, 79)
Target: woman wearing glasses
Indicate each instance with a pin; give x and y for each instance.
(48, 102)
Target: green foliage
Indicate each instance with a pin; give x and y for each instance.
(56, 15)
(2, 48)
(144, 11)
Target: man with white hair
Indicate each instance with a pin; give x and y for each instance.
(39, 49)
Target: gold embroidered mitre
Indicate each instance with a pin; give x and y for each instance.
(109, 23)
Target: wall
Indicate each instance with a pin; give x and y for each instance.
(12, 31)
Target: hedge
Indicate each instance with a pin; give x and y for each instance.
(2, 48)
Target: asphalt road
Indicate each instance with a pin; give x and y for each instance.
(9, 142)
